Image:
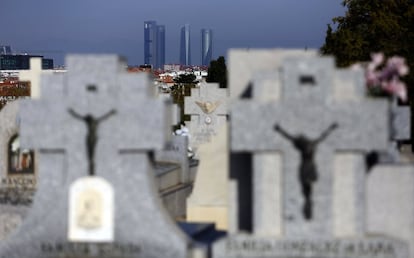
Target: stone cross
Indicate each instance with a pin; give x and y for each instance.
(313, 97)
(207, 106)
(33, 75)
(93, 86)
(309, 137)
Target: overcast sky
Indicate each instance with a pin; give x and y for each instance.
(108, 26)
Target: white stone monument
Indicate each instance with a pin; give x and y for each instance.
(297, 165)
(96, 122)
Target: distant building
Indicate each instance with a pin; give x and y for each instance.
(22, 62)
(150, 41)
(185, 45)
(206, 46)
(47, 63)
(5, 50)
(154, 44)
(159, 64)
(172, 67)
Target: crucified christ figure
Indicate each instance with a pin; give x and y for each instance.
(308, 173)
(92, 136)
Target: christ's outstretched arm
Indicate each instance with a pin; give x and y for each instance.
(74, 114)
(283, 132)
(102, 118)
(327, 132)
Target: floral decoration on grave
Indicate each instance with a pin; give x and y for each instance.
(383, 76)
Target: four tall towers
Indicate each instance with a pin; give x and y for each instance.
(154, 45)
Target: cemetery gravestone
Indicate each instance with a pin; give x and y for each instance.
(245, 64)
(401, 121)
(401, 129)
(390, 202)
(208, 201)
(34, 76)
(74, 154)
(303, 151)
(175, 109)
(176, 152)
(17, 173)
(400, 133)
(175, 175)
(207, 106)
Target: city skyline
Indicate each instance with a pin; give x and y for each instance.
(53, 29)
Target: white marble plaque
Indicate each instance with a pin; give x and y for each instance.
(91, 210)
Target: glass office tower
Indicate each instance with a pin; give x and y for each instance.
(206, 46)
(185, 45)
(5, 50)
(160, 61)
(154, 44)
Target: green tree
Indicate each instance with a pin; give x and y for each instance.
(187, 78)
(217, 72)
(372, 26)
(182, 88)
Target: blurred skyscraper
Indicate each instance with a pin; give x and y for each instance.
(159, 63)
(185, 45)
(5, 50)
(154, 44)
(206, 46)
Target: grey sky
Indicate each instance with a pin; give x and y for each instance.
(99, 26)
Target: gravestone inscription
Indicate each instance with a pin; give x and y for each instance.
(74, 215)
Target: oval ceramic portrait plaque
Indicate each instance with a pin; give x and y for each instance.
(91, 210)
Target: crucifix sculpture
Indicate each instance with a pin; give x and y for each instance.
(92, 135)
(308, 173)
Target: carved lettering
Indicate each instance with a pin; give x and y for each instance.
(67, 249)
(328, 248)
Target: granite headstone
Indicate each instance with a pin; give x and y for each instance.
(176, 151)
(17, 173)
(95, 123)
(297, 165)
(207, 106)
